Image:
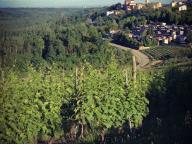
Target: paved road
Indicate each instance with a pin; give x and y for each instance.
(142, 59)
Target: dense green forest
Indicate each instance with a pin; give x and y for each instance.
(61, 82)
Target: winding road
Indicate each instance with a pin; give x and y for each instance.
(142, 59)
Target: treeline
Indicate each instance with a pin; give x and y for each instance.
(67, 41)
(171, 16)
(19, 19)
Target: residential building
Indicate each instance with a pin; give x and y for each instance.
(140, 6)
(173, 4)
(114, 31)
(163, 33)
(170, 38)
(129, 5)
(183, 8)
(180, 5)
(165, 41)
(130, 35)
(163, 24)
(174, 36)
(157, 5)
(108, 13)
(117, 12)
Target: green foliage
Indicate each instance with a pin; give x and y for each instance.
(67, 44)
(170, 108)
(126, 41)
(30, 106)
(101, 100)
(148, 42)
(136, 101)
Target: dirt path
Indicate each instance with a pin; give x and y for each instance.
(142, 59)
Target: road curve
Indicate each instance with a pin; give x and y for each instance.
(142, 59)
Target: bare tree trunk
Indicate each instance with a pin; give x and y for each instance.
(126, 80)
(134, 69)
(130, 125)
(82, 131)
(102, 135)
(73, 131)
(51, 141)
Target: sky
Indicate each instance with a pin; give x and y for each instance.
(63, 3)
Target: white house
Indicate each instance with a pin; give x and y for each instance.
(180, 2)
(173, 4)
(113, 31)
(109, 13)
(181, 32)
(163, 24)
(166, 41)
(174, 36)
(183, 8)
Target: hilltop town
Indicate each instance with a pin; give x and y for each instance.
(130, 5)
(166, 27)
